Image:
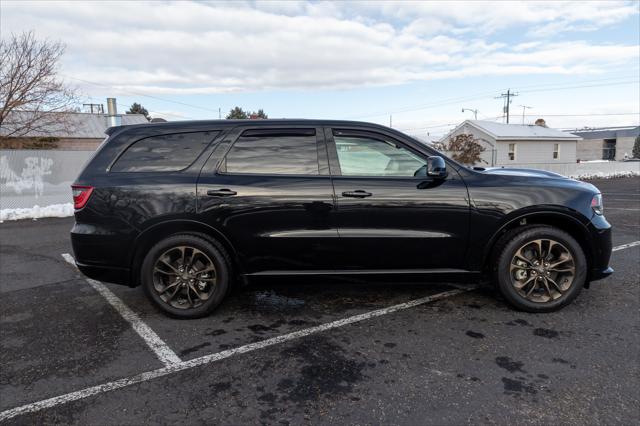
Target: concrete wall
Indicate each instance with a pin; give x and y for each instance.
(38, 177)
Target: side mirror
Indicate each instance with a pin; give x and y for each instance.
(436, 167)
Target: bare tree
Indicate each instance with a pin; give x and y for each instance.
(465, 149)
(33, 99)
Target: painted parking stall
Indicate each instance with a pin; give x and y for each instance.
(279, 352)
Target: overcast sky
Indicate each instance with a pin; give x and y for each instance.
(420, 62)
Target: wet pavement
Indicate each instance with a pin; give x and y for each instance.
(464, 359)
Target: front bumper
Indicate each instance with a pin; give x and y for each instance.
(598, 274)
(601, 248)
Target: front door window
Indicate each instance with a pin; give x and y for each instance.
(366, 156)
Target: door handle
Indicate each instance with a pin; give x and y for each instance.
(221, 192)
(358, 193)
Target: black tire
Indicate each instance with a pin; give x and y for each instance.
(215, 253)
(507, 248)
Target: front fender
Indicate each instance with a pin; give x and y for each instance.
(561, 217)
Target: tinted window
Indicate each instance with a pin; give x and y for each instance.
(273, 153)
(164, 153)
(364, 156)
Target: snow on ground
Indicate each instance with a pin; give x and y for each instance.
(35, 212)
(603, 175)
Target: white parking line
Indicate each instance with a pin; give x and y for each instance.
(626, 246)
(157, 345)
(173, 367)
(184, 365)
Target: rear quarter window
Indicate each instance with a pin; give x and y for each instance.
(163, 153)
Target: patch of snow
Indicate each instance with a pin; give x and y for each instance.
(36, 212)
(603, 175)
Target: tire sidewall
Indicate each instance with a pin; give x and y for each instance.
(504, 274)
(222, 274)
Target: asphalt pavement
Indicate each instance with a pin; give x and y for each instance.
(316, 351)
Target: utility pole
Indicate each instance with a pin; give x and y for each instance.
(219, 113)
(524, 107)
(507, 101)
(474, 111)
(390, 120)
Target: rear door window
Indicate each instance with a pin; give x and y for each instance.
(163, 153)
(273, 152)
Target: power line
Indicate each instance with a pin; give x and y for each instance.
(130, 92)
(526, 115)
(583, 86)
(150, 112)
(487, 95)
(583, 115)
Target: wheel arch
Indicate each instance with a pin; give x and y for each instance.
(159, 231)
(559, 219)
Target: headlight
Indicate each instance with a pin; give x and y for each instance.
(596, 204)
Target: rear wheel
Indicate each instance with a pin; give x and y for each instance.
(186, 276)
(540, 268)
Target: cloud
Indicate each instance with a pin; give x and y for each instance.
(195, 47)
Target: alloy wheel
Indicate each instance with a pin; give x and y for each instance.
(184, 277)
(542, 270)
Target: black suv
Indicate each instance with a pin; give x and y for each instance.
(188, 208)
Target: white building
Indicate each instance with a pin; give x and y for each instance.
(515, 144)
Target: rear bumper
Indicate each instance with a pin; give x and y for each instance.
(100, 254)
(105, 273)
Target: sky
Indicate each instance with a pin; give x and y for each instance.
(411, 65)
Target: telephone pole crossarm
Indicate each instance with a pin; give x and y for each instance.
(507, 101)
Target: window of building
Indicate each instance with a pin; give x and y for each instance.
(512, 151)
(365, 156)
(609, 149)
(273, 152)
(163, 153)
(556, 151)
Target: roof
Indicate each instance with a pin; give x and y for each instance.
(71, 124)
(500, 131)
(609, 133)
(194, 125)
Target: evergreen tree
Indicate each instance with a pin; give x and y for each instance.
(136, 108)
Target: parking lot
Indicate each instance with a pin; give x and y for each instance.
(315, 350)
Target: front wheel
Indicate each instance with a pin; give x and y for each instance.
(185, 275)
(540, 269)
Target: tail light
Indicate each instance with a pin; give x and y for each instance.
(81, 195)
(596, 204)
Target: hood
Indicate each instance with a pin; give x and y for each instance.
(511, 171)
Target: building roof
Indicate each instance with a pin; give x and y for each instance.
(500, 131)
(70, 124)
(609, 133)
